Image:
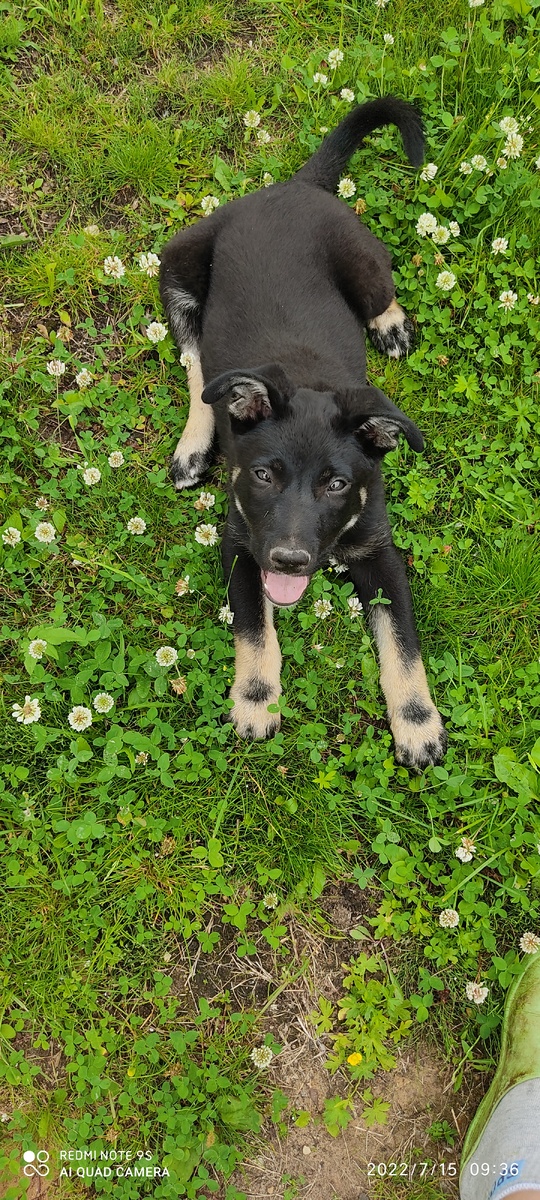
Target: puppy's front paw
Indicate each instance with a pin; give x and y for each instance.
(250, 715)
(392, 333)
(420, 739)
(187, 469)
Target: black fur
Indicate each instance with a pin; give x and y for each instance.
(288, 277)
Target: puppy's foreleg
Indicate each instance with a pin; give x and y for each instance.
(193, 452)
(258, 657)
(419, 734)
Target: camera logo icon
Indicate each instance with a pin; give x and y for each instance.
(35, 1163)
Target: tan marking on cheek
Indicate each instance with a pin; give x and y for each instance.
(199, 428)
(363, 496)
(235, 473)
(257, 663)
(239, 507)
(405, 683)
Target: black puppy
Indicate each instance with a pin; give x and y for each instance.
(289, 277)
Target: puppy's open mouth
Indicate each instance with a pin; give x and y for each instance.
(284, 589)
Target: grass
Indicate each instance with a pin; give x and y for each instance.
(154, 833)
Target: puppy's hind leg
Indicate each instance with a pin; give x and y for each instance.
(194, 450)
(392, 332)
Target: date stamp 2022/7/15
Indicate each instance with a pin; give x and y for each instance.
(412, 1170)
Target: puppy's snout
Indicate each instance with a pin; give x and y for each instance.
(287, 559)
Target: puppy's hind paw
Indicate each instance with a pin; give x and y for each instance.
(392, 333)
(186, 470)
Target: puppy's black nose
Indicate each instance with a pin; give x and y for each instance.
(286, 559)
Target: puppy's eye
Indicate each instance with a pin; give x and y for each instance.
(337, 485)
(262, 475)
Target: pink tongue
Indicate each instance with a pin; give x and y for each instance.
(284, 589)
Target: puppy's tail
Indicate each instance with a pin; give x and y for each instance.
(325, 166)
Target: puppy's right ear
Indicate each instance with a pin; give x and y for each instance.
(251, 396)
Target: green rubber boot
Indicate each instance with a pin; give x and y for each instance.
(520, 1050)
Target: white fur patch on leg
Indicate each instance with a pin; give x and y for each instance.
(257, 683)
(418, 732)
(392, 332)
(192, 453)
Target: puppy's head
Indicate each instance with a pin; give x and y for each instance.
(303, 464)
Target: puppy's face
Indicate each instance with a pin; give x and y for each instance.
(303, 467)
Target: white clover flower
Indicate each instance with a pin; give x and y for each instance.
(42, 503)
(509, 125)
(190, 653)
(103, 702)
(156, 332)
(116, 459)
(335, 57)
(83, 379)
(205, 500)
(502, 163)
(45, 532)
(91, 476)
(441, 235)
(478, 162)
(28, 814)
(346, 188)
(141, 758)
(323, 129)
(476, 992)
(475, 3)
(454, 229)
(532, 298)
(226, 615)
(166, 656)
(208, 204)
(271, 900)
(355, 607)
(206, 535)
(513, 145)
(426, 224)
(28, 712)
(182, 587)
(80, 718)
(389, 41)
(537, 163)
(466, 850)
(347, 94)
(465, 168)
(322, 608)
(446, 281)
(263, 137)
(267, 179)
(149, 263)
(136, 525)
(91, 230)
(530, 943)
(261, 1057)
(37, 648)
(320, 78)
(11, 536)
(507, 300)
(252, 119)
(56, 367)
(114, 267)
(449, 918)
(430, 169)
(186, 360)
(499, 245)
(422, 66)
(381, 3)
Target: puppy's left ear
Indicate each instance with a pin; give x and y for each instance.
(251, 396)
(376, 421)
